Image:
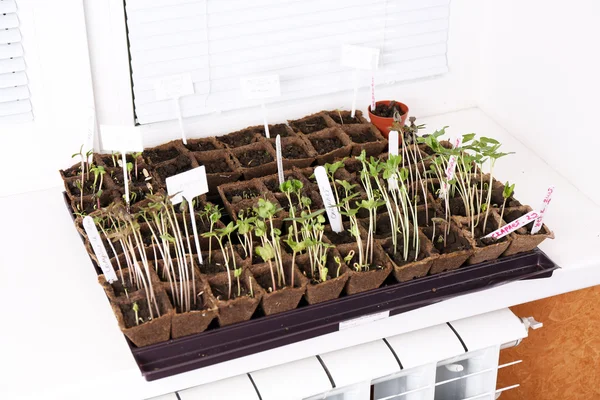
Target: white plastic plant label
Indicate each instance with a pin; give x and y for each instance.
(99, 249)
(540, 221)
(365, 319)
(335, 218)
(124, 139)
(188, 184)
(174, 87)
(450, 169)
(279, 159)
(513, 226)
(393, 143)
(360, 57)
(260, 87)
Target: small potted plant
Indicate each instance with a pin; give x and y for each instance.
(383, 115)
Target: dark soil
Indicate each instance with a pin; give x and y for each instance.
(265, 281)
(119, 289)
(354, 259)
(156, 156)
(456, 206)
(73, 171)
(293, 151)
(217, 166)
(398, 257)
(87, 187)
(274, 130)
(345, 119)
(490, 227)
(424, 218)
(238, 139)
(237, 195)
(253, 158)
(343, 237)
(179, 165)
(129, 314)
(201, 145)
(454, 242)
(272, 184)
(213, 267)
(326, 145)
(221, 292)
(365, 135)
(198, 305)
(311, 125)
(387, 111)
(383, 229)
(108, 160)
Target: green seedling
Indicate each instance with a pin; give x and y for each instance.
(506, 193)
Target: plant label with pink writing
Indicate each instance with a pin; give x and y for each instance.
(513, 226)
(279, 159)
(393, 145)
(450, 169)
(335, 218)
(540, 221)
(99, 250)
(187, 185)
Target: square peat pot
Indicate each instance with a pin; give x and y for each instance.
(262, 333)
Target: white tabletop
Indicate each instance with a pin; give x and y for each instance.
(59, 338)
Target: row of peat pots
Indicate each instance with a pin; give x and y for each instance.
(268, 248)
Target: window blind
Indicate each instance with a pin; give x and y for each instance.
(217, 42)
(15, 105)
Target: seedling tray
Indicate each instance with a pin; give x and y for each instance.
(309, 321)
(219, 344)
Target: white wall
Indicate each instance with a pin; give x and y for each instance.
(452, 91)
(540, 79)
(58, 69)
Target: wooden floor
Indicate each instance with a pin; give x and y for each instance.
(562, 359)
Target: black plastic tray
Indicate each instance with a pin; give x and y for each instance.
(261, 333)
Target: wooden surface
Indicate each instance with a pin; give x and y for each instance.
(562, 359)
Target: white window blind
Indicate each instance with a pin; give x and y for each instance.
(220, 41)
(15, 105)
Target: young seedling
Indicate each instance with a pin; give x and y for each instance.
(136, 309)
(506, 193)
(237, 273)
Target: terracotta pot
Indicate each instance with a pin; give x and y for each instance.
(384, 124)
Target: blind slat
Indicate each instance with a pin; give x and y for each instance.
(14, 107)
(11, 50)
(12, 65)
(8, 21)
(11, 80)
(10, 36)
(14, 93)
(8, 6)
